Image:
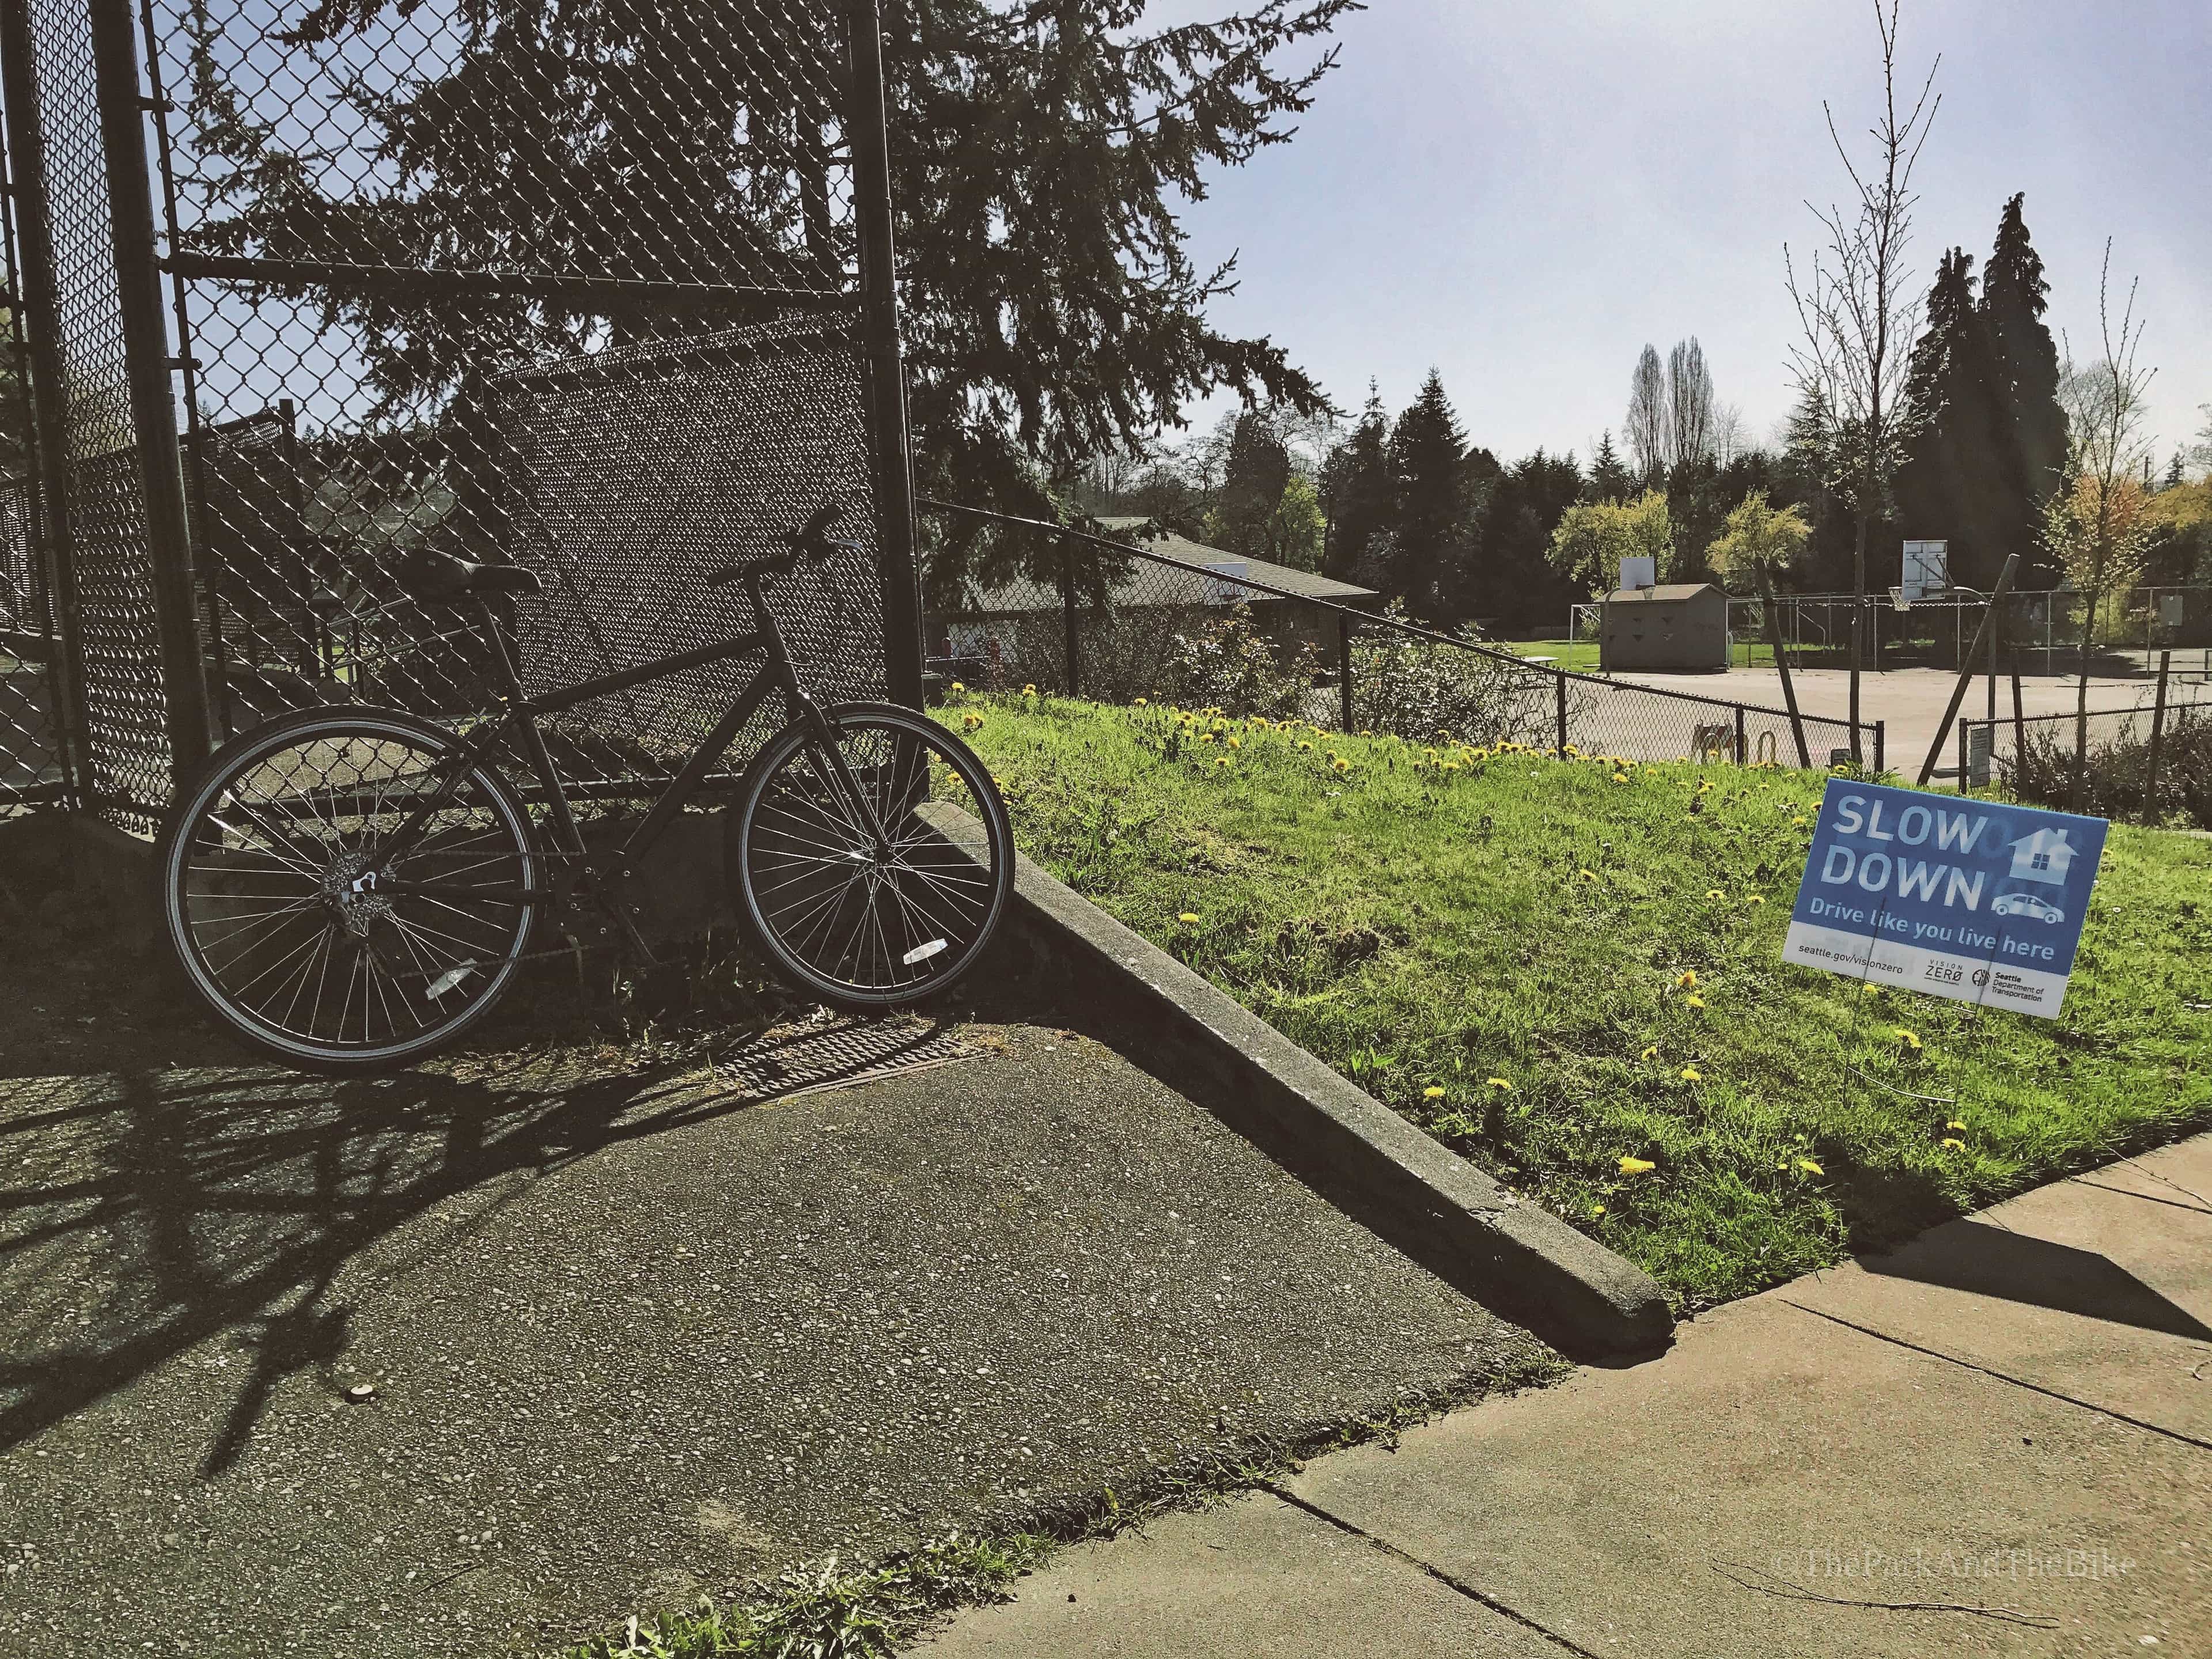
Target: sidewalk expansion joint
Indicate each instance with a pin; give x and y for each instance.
(2148, 1198)
(2002, 1377)
(1458, 1586)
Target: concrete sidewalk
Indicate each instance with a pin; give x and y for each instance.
(2008, 1423)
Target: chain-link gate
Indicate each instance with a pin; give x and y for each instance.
(603, 288)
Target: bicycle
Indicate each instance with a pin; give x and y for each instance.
(350, 889)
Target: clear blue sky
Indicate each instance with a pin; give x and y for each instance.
(1524, 195)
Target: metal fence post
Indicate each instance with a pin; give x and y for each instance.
(2157, 737)
(868, 125)
(1070, 623)
(1344, 668)
(1878, 735)
(1742, 752)
(41, 304)
(1559, 696)
(147, 364)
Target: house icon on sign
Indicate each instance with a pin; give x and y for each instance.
(2043, 856)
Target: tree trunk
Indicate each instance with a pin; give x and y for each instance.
(2081, 709)
(1858, 615)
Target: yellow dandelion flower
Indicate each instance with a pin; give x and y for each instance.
(1432, 1093)
(1236, 743)
(1652, 1053)
(1140, 702)
(1498, 1083)
(1870, 991)
(1955, 1124)
(1029, 691)
(971, 721)
(1810, 1167)
(1637, 1166)
(1906, 1037)
(1224, 761)
(1620, 777)
(1714, 892)
(957, 686)
(1693, 1000)
(1755, 899)
(1954, 1143)
(1798, 823)
(1686, 979)
(1206, 737)
(1589, 875)
(1304, 745)
(1343, 765)
(1597, 1209)
(1691, 1074)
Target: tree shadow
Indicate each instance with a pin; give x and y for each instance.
(147, 1210)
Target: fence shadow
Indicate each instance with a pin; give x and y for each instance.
(148, 1210)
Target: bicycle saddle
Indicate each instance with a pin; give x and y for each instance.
(435, 576)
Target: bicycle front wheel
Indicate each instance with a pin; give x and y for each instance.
(851, 874)
(302, 925)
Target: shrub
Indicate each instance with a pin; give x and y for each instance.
(1227, 663)
(1415, 689)
(2117, 781)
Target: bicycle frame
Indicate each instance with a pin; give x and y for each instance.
(520, 713)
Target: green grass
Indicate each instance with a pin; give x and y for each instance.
(1529, 920)
(1581, 654)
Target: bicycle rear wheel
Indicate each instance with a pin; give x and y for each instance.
(858, 922)
(277, 880)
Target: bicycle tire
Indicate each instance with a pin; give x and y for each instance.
(857, 930)
(263, 820)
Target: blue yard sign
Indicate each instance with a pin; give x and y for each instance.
(1951, 897)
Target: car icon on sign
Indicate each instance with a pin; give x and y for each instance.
(2027, 904)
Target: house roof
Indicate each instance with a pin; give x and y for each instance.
(1149, 584)
(1665, 591)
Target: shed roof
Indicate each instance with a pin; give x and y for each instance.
(1149, 584)
(1665, 591)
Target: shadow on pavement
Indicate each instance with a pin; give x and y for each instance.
(1994, 1262)
(212, 1198)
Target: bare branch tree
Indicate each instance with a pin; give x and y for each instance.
(1729, 440)
(1690, 404)
(1857, 307)
(2098, 525)
(1649, 434)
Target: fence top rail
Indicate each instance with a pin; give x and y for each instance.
(1373, 619)
(2140, 709)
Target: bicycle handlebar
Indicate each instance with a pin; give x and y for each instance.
(808, 540)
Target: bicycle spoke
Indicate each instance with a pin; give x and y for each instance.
(861, 917)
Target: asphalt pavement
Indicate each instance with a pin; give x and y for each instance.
(479, 1360)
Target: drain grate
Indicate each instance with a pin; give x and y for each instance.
(835, 1054)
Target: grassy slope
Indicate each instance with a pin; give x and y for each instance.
(1528, 920)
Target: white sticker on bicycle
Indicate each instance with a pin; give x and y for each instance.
(923, 952)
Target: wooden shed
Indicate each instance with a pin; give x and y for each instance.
(1678, 625)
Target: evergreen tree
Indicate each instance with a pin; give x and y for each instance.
(1426, 450)
(1958, 482)
(1254, 477)
(1040, 157)
(1357, 495)
(1609, 479)
(2024, 372)
(1515, 583)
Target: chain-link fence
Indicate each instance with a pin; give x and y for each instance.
(1116, 622)
(604, 289)
(2152, 763)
